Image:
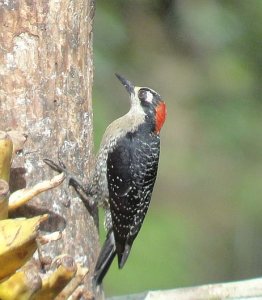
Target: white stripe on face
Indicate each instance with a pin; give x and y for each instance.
(149, 97)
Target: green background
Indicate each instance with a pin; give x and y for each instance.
(204, 57)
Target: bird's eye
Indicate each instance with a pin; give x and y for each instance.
(142, 95)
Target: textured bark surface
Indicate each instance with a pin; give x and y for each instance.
(46, 73)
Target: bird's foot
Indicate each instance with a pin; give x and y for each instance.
(73, 181)
(61, 168)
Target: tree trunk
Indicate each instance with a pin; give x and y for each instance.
(46, 72)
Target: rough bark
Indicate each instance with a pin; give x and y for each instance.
(46, 72)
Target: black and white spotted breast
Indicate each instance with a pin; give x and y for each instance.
(131, 173)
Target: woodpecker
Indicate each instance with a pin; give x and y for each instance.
(124, 175)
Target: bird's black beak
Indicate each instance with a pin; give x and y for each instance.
(126, 83)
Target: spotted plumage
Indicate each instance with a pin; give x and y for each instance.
(125, 173)
(132, 168)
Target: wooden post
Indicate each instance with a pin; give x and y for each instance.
(46, 75)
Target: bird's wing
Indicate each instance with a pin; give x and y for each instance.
(132, 170)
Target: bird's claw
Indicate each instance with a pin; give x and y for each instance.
(61, 163)
(61, 168)
(73, 181)
(58, 168)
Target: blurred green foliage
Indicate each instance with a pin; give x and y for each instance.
(205, 59)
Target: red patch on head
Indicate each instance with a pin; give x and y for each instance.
(160, 116)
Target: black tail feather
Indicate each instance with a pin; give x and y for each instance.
(106, 256)
(123, 257)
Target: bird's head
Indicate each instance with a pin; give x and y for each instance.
(148, 100)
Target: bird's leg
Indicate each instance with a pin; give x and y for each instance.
(83, 193)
